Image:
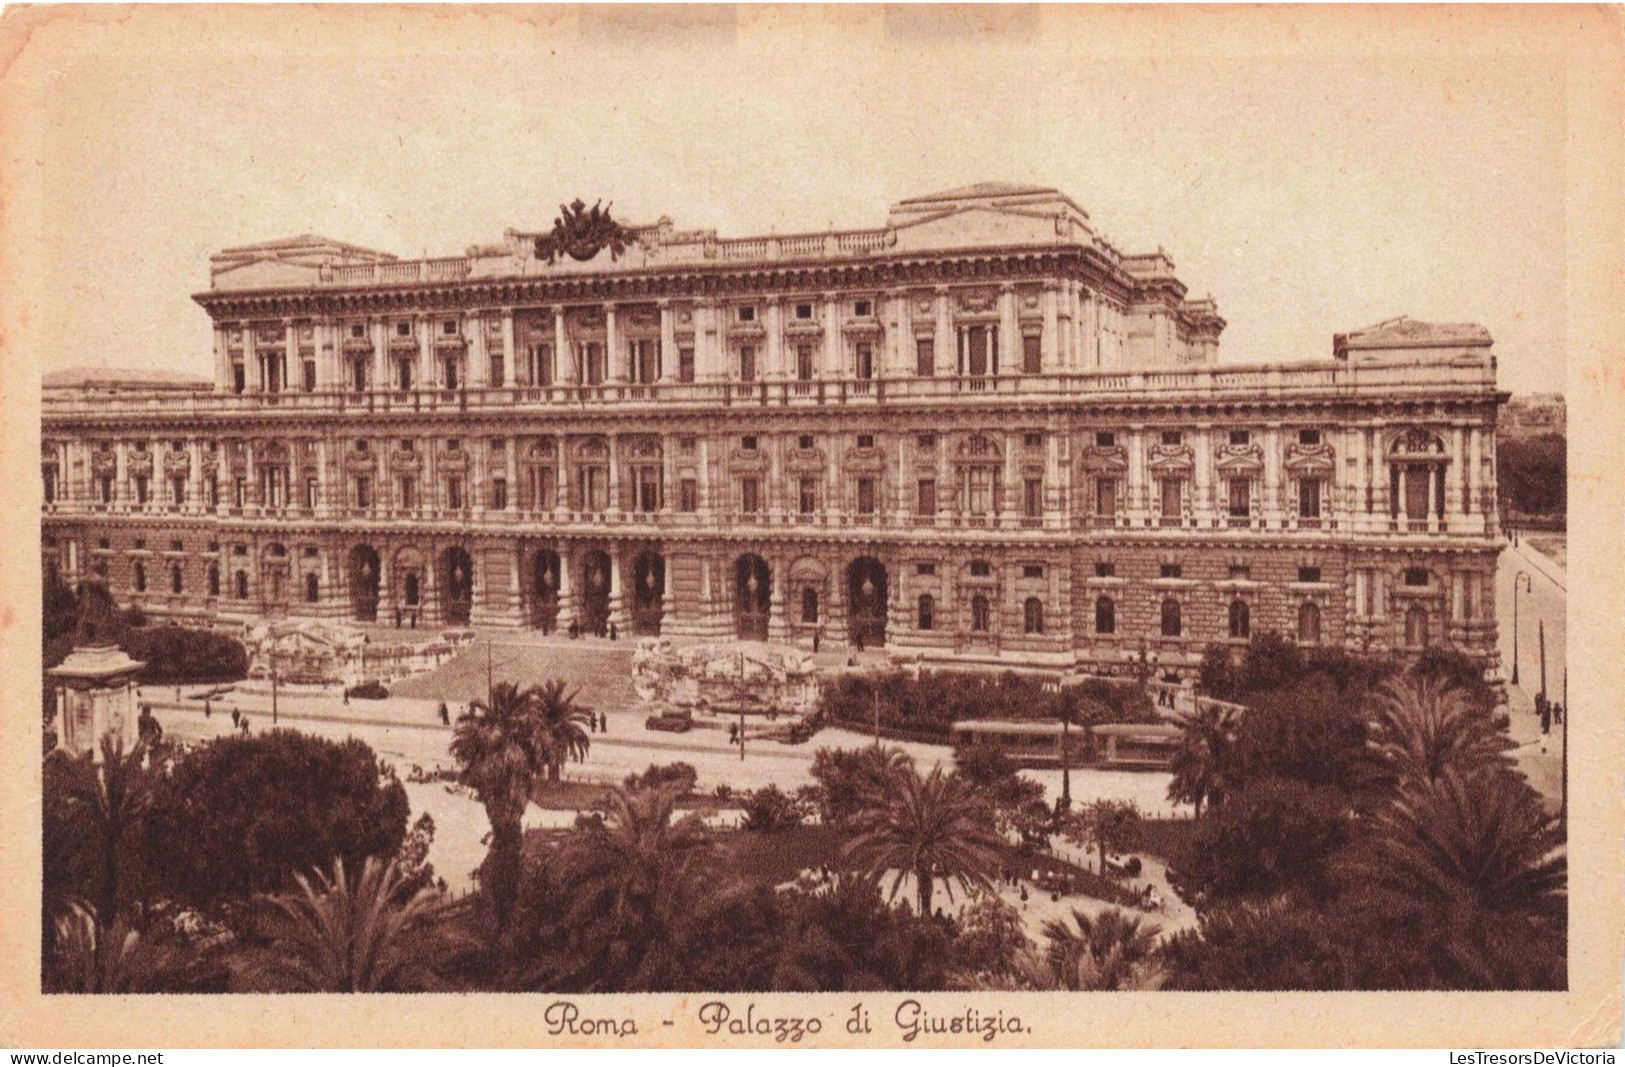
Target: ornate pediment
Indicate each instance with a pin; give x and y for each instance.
(274, 455)
(581, 234)
(979, 447)
(977, 302)
(864, 461)
(746, 460)
(402, 460)
(806, 461)
(1111, 459)
(1241, 460)
(359, 462)
(644, 449)
(1172, 459)
(1310, 460)
(1416, 441)
(452, 460)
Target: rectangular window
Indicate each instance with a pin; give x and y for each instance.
(747, 363)
(1309, 498)
(926, 442)
(592, 356)
(1032, 354)
(239, 378)
(749, 496)
(648, 489)
(211, 490)
(1173, 437)
(177, 489)
(141, 490)
(408, 492)
(808, 497)
(747, 314)
(928, 496)
(688, 495)
(363, 492)
(1106, 497)
(454, 494)
(1033, 498)
(1239, 572)
(925, 357)
(866, 440)
(1241, 497)
(979, 497)
(499, 494)
(1172, 570)
(1032, 440)
(981, 568)
(803, 311)
(805, 442)
(865, 361)
(1308, 437)
(1172, 497)
(1308, 574)
(685, 364)
(1239, 437)
(1105, 569)
(861, 309)
(748, 442)
(310, 375)
(804, 363)
(976, 350)
(312, 494)
(925, 570)
(685, 445)
(1032, 570)
(494, 375)
(543, 488)
(1105, 439)
(866, 496)
(239, 492)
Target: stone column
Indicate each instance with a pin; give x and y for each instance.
(615, 359)
(614, 474)
(253, 371)
(704, 487)
(944, 345)
(564, 360)
(427, 378)
(668, 343)
(380, 353)
(1009, 347)
(617, 601)
(222, 359)
(834, 346)
(1050, 346)
(567, 598)
(509, 358)
(323, 497)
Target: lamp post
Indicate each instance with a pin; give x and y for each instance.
(1542, 633)
(1522, 576)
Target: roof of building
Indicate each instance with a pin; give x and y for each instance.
(144, 378)
(305, 242)
(982, 190)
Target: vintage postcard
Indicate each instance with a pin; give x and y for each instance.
(811, 526)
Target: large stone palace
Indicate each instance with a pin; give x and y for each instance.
(978, 432)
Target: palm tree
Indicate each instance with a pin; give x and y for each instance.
(1420, 727)
(364, 934)
(501, 753)
(931, 827)
(86, 956)
(114, 797)
(1111, 824)
(563, 726)
(1113, 950)
(1476, 855)
(1201, 765)
(631, 879)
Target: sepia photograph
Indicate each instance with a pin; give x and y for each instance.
(672, 511)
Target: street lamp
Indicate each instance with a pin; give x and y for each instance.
(1528, 585)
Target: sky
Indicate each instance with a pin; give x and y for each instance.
(1314, 177)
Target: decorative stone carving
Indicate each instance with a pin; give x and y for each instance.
(1310, 460)
(864, 460)
(139, 464)
(747, 461)
(1241, 460)
(452, 461)
(177, 464)
(806, 461)
(402, 461)
(977, 302)
(1172, 459)
(1108, 460)
(359, 462)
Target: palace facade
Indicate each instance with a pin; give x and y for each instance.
(978, 432)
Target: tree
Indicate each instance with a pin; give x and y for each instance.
(1272, 835)
(845, 778)
(562, 726)
(363, 933)
(769, 810)
(86, 955)
(631, 879)
(1310, 732)
(931, 827)
(847, 938)
(1421, 727)
(993, 777)
(105, 806)
(1260, 943)
(1201, 765)
(1112, 825)
(1473, 860)
(1111, 951)
(240, 816)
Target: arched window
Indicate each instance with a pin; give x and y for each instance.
(1416, 627)
(174, 577)
(1105, 615)
(214, 579)
(411, 590)
(1240, 620)
(242, 585)
(141, 577)
(313, 588)
(1308, 624)
(928, 611)
(1170, 618)
(979, 614)
(809, 605)
(1032, 615)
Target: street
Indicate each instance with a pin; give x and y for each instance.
(1542, 602)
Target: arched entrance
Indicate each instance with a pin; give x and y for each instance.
(457, 569)
(753, 597)
(866, 602)
(544, 590)
(363, 572)
(595, 592)
(648, 594)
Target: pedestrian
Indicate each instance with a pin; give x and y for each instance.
(244, 725)
(346, 698)
(815, 642)
(860, 641)
(614, 634)
(236, 718)
(603, 722)
(397, 618)
(1557, 713)
(1545, 718)
(445, 714)
(206, 709)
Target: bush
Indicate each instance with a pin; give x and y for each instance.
(769, 811)
(177, 656)
(847, 777)
(678, 776)
(929, 705)
(373, 690)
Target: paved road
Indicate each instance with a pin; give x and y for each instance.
(1542, 605)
